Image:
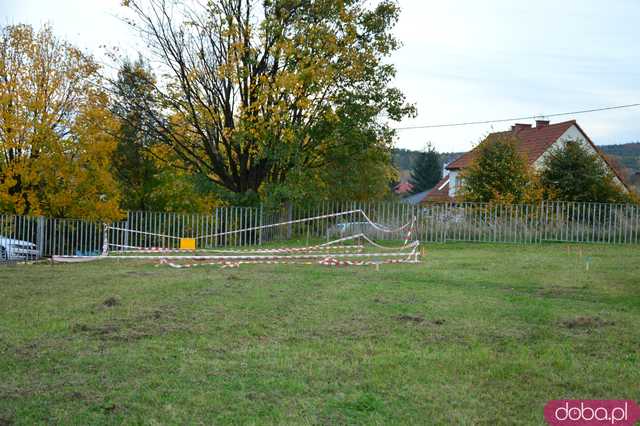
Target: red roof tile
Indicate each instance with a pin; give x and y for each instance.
(439, 193)
(532, 142)
(403, 187)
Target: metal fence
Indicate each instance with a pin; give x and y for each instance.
(29, 237)
(485, 222)
(544, 222)
(225, 227)
(26, 237)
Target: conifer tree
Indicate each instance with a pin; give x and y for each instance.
(571, 173)
(427, 170)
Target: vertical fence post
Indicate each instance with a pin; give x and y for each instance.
(289, 207)
(260, 229)
(105, 239)
(40, 236)
(126, 233)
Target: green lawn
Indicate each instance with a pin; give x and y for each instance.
(477, 334)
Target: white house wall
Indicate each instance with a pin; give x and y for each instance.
(453, 182)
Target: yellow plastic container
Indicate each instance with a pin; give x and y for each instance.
(187, 244)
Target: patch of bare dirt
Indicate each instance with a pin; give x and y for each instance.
(141, 273)
(586, 322)
(149, 323)
(86, 397)
(111, 302)
(410, 318)
(27, 351)
(116, 332)
(97, 330)
(76, 396)
(559, 291)
(418, 319)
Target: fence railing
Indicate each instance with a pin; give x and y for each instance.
(486, 222)
(160, 229)
(544, 222)
(27, 237)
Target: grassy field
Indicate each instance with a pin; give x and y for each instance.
(477, 334)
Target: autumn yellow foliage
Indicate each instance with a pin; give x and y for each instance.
(55, 129)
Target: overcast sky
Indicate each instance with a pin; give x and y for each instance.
(463, 60)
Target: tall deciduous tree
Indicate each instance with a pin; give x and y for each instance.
(571, 173)
(427, 170)
(251, 91)
(498, 173)
(134, 165)
(55, 141)
(149, 174)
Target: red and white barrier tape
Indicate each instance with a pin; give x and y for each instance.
(331, 261)
(272, 257)
(327, 261)
(290, 222)
(319, 248)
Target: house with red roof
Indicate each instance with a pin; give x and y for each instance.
(403, 188)
(533, 142)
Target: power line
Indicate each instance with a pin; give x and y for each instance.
(502, 120)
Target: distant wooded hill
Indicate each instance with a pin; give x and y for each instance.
(627, 156)
(403, 159)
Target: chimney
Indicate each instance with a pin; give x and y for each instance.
(542, 123)
(520, 126)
